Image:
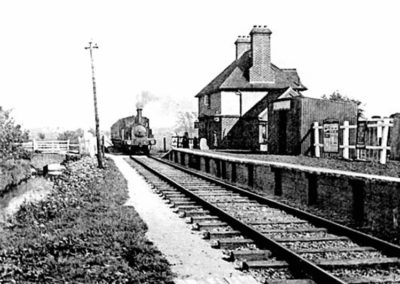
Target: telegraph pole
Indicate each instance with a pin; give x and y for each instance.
(96, 115)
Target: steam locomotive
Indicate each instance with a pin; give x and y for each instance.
(132, 134)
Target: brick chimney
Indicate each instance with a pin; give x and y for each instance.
(261, 71)
(243, 44)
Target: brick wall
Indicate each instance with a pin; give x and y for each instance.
(264, 179)
(371, 204)
(336, 194)
(38, 161)
(294, 186)
(381, 209)
(243, 134)
(214, 107)
(227, 136)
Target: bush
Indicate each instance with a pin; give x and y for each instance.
(12, 172)
(72, 136)
(11, 137)
(81, 233)
(12, 168)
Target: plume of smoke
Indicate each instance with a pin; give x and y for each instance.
(144, 98)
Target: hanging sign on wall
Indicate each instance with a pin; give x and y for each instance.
(281, 105)
(331, 136)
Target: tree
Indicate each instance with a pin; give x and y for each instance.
(11, 137)
(338, 97)
(185, 122)
(41, 135)
(106, 133)
(92, 131)
(71, 135)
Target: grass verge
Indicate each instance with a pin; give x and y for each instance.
(81, 233)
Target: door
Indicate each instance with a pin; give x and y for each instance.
(282, 134)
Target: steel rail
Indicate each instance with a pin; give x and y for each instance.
(295, 261)
(357, 236)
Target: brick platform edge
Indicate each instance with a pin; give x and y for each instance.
(364, 201)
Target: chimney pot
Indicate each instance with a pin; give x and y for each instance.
(243, 44)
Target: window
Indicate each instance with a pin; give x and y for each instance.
(207, 101)
(263, 136)
(205, 98)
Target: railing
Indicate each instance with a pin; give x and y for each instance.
(51, 146)
(178, 142)
(372, 139)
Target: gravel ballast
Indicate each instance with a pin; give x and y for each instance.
(189, 255)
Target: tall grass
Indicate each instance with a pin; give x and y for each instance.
(81, 233)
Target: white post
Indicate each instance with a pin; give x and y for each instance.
(34, 145)
(385, 135)
(67, 145)
(80, 145)
(379, 124)
(316, 139)
(346, 130)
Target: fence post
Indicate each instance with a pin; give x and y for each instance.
(385, 135)
(34, 145)
(316, 139)
(395, 134)
(346, 131)
(379, 128)
(67, 145)
(79, 145)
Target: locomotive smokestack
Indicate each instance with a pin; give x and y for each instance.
(139, 109)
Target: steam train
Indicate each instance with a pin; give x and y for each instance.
(132, 134)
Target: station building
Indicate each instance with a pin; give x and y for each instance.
(255, 105)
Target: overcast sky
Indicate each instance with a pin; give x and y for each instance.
(174, 48)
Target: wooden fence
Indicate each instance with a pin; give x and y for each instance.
(371, 139)
(177, 142)
(51, 146)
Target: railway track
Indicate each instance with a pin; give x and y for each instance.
(272, 240)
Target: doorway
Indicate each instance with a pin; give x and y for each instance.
(282, 134)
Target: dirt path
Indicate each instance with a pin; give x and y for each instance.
(188, 254)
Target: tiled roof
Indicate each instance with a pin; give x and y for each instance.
(236, 77)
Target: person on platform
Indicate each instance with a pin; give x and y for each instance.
(185, 140)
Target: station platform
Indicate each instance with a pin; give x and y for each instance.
(364, 170)
(358, 195)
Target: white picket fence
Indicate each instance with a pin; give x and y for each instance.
(51, 146)
(381, 136)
